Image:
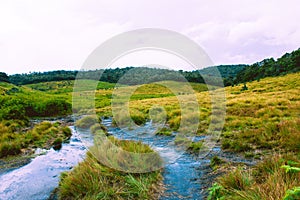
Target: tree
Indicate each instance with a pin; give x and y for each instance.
(4, 77)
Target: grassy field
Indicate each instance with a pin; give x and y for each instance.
(18, 105)
(262, 122)
(263, 118)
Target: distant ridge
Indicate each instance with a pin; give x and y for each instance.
(231, 74)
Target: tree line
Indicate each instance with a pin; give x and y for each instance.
(231, 74)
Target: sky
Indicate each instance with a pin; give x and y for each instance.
(45, 35)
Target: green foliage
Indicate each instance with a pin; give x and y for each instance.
(195, 146)
(4, 77)
(266, 180)
(288, 63)
(292, 194)
(164, 131)
(215, 192)
(43, 135)
(126, 76)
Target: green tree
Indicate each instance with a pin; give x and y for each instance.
(4, 77)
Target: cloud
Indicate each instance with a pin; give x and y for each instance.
(46, 35)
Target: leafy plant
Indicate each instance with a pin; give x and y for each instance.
(216, 192)
(293, 194)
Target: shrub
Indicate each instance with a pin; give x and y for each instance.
(292, 194)
(216, 192)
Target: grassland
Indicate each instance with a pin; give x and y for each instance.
(263, 118)
(18, 105)
(261, 122)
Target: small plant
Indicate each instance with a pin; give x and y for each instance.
(164, 131)
(98, 128)
(290, 169)
(87, 121)
(292, 194)
(236, 180)
(215, 161)
(216, 192)
(195, 146)
(244, 88)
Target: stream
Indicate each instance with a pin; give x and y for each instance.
(181, 173)
(36, 180)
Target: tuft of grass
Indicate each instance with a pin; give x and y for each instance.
(96, 128)
(215, 162)
(93, 180)
(164, 131)
(87, 121)
(267, 181)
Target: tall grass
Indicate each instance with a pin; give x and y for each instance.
(93, 180)
(266, 181)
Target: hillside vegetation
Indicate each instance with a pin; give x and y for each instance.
(262, 122)
(17, 106)
(231, 74)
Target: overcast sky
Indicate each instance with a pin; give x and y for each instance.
(43, 35)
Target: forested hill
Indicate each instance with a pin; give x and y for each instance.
(231, 74)
(133, 75)
(288, 63)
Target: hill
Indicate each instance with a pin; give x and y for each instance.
(288, 63)
(231, 74)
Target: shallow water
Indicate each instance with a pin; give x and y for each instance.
(36, 180)
(181, 173)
